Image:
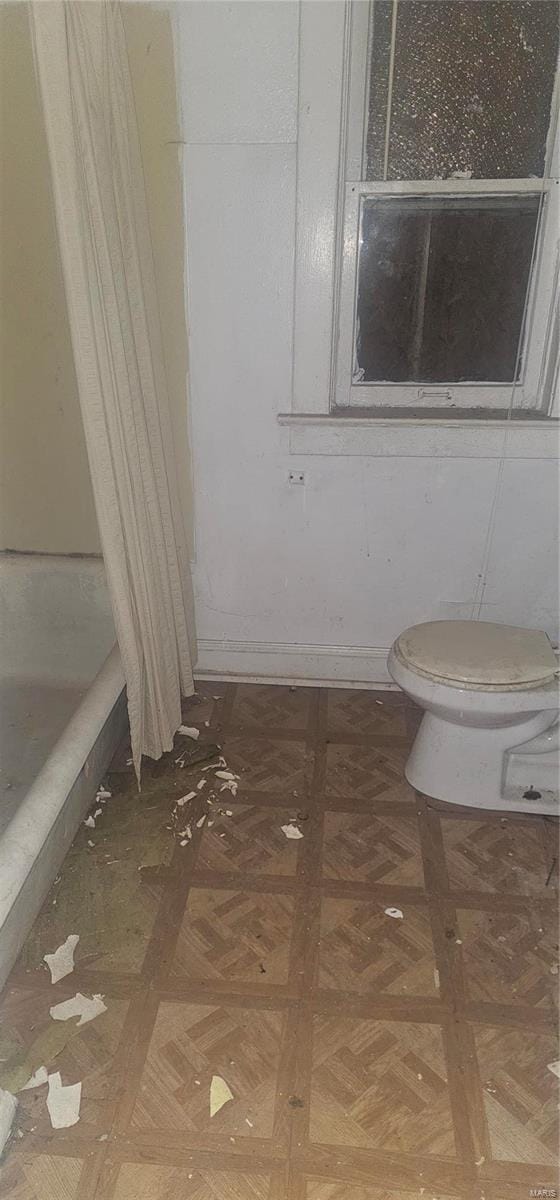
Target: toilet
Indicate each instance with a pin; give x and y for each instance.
(489, 737)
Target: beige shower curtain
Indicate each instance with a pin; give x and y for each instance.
(105, 247)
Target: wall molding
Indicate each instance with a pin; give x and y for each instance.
(293, 663)
(418, 437)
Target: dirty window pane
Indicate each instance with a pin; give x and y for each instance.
(471, 88)
(441, 288)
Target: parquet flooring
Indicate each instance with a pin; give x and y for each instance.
(370, 1056)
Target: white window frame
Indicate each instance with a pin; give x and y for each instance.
(487, 396)
(331, 142)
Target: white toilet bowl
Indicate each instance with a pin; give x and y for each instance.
(489, 734)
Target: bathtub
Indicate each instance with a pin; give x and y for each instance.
(62, 715)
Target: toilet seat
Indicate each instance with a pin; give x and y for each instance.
(478, 654)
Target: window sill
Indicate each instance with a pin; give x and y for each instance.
(441, 434)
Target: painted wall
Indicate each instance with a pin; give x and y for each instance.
(46, 501)
(291, 580)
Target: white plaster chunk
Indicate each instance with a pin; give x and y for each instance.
(189, 731)
(394, 912)
(63, 1102)
(79, 1006)
(291, 831)
(61, 963)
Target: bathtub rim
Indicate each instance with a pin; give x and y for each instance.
(39, 834)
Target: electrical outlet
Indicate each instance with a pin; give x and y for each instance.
(297, 478)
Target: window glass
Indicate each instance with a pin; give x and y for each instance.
(466, 87)
(441, 288)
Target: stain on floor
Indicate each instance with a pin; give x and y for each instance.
(369, 1056)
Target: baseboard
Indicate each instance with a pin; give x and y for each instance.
(294, 663)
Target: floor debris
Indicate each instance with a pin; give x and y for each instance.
(189, 731)
(49, 1042)
(201, 821)
(226, 775)
(394, 912)
(185, 799)
(61, 963)
(8, 1105)
(221, 762)
(103, 794)
(38, 1078)
(201, 783)
(63, 1102)
(192, 755)
(220, 1094)
(79, 1006)
(555, 1068)
(291, 831)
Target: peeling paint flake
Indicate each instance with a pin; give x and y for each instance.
(61, 963)
(220, 1094)
(291, 831)
(63, 1102)
(38, 1078)
(79, 1006)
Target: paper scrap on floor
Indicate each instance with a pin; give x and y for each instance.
(220, 1093)
(394, 912)
(79, 1006)
(39, 1077)
(291, 831)
(61, 963)
(189, 731)
(63, 1102)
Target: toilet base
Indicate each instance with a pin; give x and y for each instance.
(467, 765)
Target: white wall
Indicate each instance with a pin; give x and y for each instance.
(290, 580)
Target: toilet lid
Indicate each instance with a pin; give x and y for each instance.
(478, 652)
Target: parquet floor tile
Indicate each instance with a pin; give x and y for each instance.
(349, 1054)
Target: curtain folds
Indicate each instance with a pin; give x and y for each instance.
(105, 247)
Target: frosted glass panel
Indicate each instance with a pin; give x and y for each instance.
(471, 88)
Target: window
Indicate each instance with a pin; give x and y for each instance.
(448, 254)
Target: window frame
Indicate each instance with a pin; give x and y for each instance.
(526, 393)
(332, 115)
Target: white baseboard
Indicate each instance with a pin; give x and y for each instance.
(290, 662)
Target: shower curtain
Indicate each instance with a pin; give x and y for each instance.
(104, 237)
